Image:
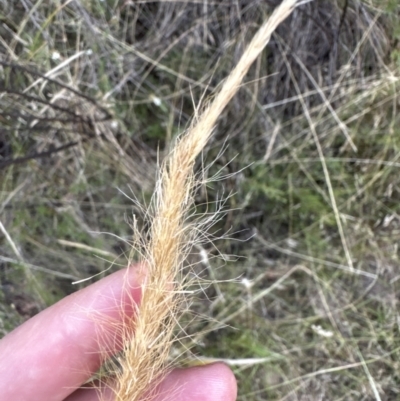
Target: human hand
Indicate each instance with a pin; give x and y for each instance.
(50, 356)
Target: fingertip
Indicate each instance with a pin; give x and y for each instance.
(228, 381)
(221, 381)
(214, 382)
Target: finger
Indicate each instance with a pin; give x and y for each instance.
(53, 353)
(214, 382)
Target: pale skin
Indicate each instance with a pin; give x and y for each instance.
(50, 356)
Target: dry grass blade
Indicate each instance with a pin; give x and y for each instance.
(144, 358)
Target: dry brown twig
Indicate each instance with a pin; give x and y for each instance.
(144, 358)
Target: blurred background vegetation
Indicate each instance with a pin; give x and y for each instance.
(307, 158)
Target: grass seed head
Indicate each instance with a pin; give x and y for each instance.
(144, 358)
